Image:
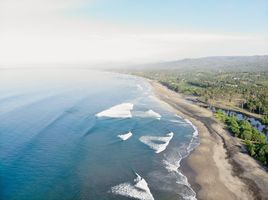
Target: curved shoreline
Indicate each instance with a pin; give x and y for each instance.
(218, 168)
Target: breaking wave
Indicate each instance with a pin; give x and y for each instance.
(125, 136)
(119, 111)
(158, 144)
(147, 114)
(151, 113)
(138, 190)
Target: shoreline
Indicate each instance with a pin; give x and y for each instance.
(219, 168)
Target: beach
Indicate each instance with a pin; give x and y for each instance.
(219, 168)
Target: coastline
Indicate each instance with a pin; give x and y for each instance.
(219, 168)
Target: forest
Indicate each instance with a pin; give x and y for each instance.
(244, 91)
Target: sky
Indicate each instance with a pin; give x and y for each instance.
(131, 31)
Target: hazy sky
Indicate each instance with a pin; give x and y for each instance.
(93, 31)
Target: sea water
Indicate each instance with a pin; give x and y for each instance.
(83, 134)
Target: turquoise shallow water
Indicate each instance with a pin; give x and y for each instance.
(55, 146)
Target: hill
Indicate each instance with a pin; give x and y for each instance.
(217, 63)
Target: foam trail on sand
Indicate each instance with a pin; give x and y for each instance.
(138, 190)
(178, 116)
(177, 121)
(195, 133)
(118, 111)
(182, 181)
(194, 141)
(149, 140)
(125, 136)
(172, 167)
(172, 163)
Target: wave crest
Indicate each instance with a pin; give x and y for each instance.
(153, 114)
(125, 136)
(157, 147)
(119, 111)
(138, 190)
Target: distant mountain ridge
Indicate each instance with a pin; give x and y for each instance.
(236, 63)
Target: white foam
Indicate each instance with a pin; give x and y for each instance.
(183, 180)
(147, 114)
(188, 192)
(194, 141)
(173, 159)
(151, 113)
(149, 140)
(118, 111)
(172, 164)
(190, 195)
(125, 136)
(139, 87)
(172, 167)
(193, 144)
(190, 198)
(138, 190)
(178, 116)
(176, 121)
(195, 133)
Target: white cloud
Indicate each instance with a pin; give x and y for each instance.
(41, 32)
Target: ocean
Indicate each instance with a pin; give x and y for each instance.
(84, 134)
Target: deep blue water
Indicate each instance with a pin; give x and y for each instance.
(53, 146)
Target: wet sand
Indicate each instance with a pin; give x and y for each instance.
(219, 168)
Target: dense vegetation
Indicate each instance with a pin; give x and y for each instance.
(265, 120)
(255, 141)
(246, 91)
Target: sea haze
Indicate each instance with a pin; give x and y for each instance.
(82, 134)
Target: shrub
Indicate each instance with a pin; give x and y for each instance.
(245, 125)
(262, 152)
(246, 135)
(233, 126)
(250, 147)
(221, 115)
(265, 119)
(257, 136)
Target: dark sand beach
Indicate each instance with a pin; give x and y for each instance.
(219, 168)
